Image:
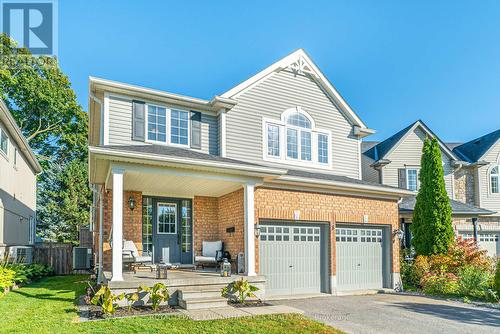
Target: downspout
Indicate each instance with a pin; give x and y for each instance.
(474, 227)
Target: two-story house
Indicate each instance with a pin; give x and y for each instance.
(18, 170)
(271, 167)
(469, 175)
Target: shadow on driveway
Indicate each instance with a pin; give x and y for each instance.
(452, 312)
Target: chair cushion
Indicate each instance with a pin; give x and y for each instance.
(210, 248)
(205, 259)
(128, 245)
(143, 259)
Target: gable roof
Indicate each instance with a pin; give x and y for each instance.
(301, 62)
(17, 136)
(384, 148)
(475, 149)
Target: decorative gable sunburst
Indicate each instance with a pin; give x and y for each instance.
(300, 63)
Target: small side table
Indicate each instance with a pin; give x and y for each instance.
(161, 271)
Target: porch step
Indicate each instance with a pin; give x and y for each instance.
(202, 303)
(196, 294)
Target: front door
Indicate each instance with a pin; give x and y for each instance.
(172, 231)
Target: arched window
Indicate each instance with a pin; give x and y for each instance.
(494, 175)
(296, 138)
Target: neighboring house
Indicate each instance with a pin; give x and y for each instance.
(271, 167)
(18, 170)
(470, 174)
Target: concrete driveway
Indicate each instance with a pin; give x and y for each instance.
(393, 313)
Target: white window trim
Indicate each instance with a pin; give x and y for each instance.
(2, 153)
(489, 176)
(168, 126)
(407, 169)
(283, 157)
(157, 217)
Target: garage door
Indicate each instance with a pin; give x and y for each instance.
(360, 257)
(291, 258)
(488, 241)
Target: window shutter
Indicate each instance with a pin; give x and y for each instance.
(196, 129)
(402, 178)
(138, 120)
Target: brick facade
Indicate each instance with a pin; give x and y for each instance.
(212, 217)
(331, 209)
(132, 223)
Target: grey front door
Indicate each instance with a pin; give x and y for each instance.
(291, 257)
(172, 231)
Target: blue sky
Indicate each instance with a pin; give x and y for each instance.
(393, 61)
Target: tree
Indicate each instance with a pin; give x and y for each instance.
(431, 226)
(41, 100)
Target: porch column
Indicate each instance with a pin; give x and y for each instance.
(117, 265)
(249, 229)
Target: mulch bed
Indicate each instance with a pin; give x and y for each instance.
(94, 312)
(253, 303)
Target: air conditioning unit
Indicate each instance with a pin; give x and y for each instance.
(20, 254)
(81, 258)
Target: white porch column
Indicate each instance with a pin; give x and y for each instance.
(249, 229)
(117, 265)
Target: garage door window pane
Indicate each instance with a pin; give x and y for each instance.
(286, 238)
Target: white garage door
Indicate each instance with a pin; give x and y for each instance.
(290, 258)
(359, 258)
(487, 241)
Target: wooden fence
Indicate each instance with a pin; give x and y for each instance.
(57, 255)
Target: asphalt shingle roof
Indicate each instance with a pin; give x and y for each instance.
(379, 151)
(473, 150)
(408, 204)
(175, 151)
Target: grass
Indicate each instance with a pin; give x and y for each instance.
(48, 306)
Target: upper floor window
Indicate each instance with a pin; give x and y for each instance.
(168, 126)
(4, 142)
(412, 179)
(295, 138)
(494, 175)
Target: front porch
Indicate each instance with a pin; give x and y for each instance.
(190, 289)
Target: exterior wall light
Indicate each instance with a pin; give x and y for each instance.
(399, 234)
(257, 230)
(131, 203)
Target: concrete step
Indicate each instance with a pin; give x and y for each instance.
(202, 303)
(196, 294)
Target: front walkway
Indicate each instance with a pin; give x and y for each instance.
(393, 313)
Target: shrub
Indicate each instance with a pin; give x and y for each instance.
(440, 284)
(239, 291)
(421, 267)
(473, 281)
(158, 294)
(6, 279)
(496, 282)
(29, 272)
(106, 300)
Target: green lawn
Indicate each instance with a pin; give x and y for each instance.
(48, 306)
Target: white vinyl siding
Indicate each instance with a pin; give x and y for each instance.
(408, 154)
(120, 125)
(488, 199)
(269, 99)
